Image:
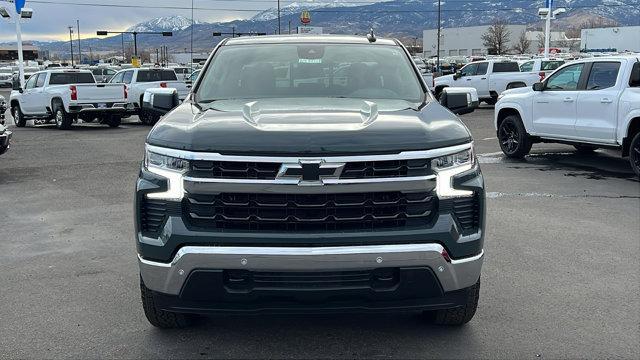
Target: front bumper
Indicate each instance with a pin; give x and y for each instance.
(169, 278)
(5, 138)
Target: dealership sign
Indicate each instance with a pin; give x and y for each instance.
(305, 17)
(315, 30)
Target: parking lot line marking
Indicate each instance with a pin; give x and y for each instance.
(490, 138)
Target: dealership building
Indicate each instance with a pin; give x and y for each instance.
(624, 38)
(10, 52)
(462, 41)
(467, 41)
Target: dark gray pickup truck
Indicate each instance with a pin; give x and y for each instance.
(310, 174)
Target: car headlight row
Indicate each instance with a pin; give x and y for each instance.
(154, 160)
(447, 167)
(172, 169)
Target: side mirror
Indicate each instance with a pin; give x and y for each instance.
(459, 100)
(538, 86)
(160, 100)
(15, 85)
(457, 75)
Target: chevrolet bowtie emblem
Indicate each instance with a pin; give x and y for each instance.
(311, 172)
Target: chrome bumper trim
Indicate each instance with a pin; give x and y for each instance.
(168, 278)
(291, 186)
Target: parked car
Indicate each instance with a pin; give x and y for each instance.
(5, 139)
(422, 66)
(66, 95)
(194, 76)
(590, 104)
(543, 67)
(5, 135)
(138, 80)
(182, 72)
(103, 74)
(490, 78)
(275, 191)
(6, 77)
(3, 109)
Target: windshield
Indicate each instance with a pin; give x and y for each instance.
(71, 78)
(156, 75)
(310, 70)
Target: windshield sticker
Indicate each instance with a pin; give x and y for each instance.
(309, 61)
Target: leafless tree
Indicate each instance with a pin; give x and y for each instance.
(496, 39)
(541, 40)
(522, 44)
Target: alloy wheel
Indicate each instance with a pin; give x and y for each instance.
(59, 118)
(635, 155)
(509, 137)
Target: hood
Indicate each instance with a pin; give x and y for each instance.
(522, 90)
(444, 78)
(308, 127)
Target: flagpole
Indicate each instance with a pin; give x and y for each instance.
(20, 55)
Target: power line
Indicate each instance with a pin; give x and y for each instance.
(323, 10)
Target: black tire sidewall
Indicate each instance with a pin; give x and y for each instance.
(66, 121)
(19, 120)
(524, 144)
(633, 156)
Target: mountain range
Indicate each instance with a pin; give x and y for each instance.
(404, 19)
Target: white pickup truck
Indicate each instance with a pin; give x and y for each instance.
(590, 104)
(137, 81)
(490, 78)
(64, 96)
(543, 67)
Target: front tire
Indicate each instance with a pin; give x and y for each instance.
(634, 154)
(62, 118)
(513, 138)
(460, 315)
(18, 116)
(158, 317)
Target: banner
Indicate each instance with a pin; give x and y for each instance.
(19, 5)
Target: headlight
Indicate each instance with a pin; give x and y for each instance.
(168, 167)
(446, 167)
(154, 160)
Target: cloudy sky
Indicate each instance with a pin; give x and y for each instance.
(51, 17)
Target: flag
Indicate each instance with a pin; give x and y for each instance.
(19, 5)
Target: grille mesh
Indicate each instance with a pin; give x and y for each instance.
(269, 171)
(152, 215)
(314, 212)
(467, 211)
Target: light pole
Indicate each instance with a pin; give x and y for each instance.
(25, 13)
(79, 50)
(279, 32)
(135, 36)
(71, 43)
(438, 46)
(547, 14)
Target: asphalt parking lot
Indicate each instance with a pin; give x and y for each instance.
(561, 276)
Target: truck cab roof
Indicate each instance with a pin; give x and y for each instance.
(325, 39)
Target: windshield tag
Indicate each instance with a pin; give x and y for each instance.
(310, 61)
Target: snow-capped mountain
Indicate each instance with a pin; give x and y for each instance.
(392, 18)
(164, 23)
(297, 8)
